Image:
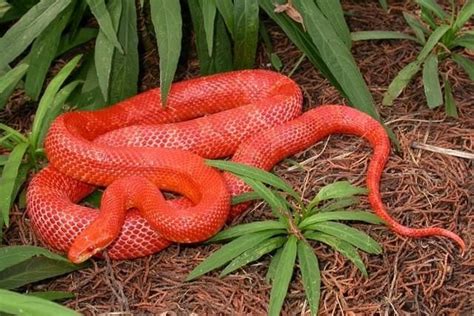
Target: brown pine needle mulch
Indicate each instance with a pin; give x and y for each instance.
(420, 188)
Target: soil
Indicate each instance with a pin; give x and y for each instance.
(420, 188)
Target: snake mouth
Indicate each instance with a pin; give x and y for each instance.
(83, 248)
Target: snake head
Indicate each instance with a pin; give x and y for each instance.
(87, 244)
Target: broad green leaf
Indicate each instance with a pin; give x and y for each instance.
(339, 204)
(345, 248)
(12, 255)
(351, 235)
(449, 102)
(125, 68)
(47, 100)
(417, 27)
(9, 81)
(464, 15)
(245, 197)
(310, 274)
(16, 39)
(208, 8)
(273, 265)
(226, 9)
(380, 35)
(465, 64)
(400, 82)
(361, 216)
(18, 304)
(282, 277)
(43, 52)
(334, 53)
(229, 251)
(246, 22)
(466, 41)
(433, 6)
(254, 173)
(8, 179)
(100, 12)
(245, 229)
(53, 295)
(34, 269)
(69, 40)
(166, 18)
(253, 254)
(433, 93)
(336, 190)
(332, 10)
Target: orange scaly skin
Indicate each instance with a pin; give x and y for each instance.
(254, 115)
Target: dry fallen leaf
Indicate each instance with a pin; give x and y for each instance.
(290, 10)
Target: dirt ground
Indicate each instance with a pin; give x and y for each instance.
(420, 188)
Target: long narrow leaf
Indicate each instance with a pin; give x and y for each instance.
(100, 12)
(336, 190)
(361, 216)
(245, 229)
(449, 102)
(282, 278)
(226, 9)
(245, 197)
(166, 18)
(400, 82)
(273, 265)
(432, 41)
(433, 93)
(433, 6)
(310, 274)
(245, 33)
(53, 295)
(380, 35)
(339, 204)
(9, 81)
(466, 41)
(208, 8)
(417, 27)
(332, 10)
(464, 15)
(465, 64)
(12, 255)
(69, 40)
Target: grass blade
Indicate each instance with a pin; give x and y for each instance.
(449, 102)
(53, 295)
(253, 254)
(226, 9)
(432, 87)
(9, 81)
(18, 304)
(380, 35)
(16, 39)
(361, 216)
(273, 265)
(245, 197)
(282, 277)
(465, 64)
(345, 248)
(417, 27)
(208, 8)
(310, 274)
(12, 255)
(8, 179)
(432, 42)
(47, 101)
(433, 6)
(332, 10)
(229, 251)
(245, 229)
(399, 83)
(246, 24)
(464, 15)
(351, 235)
(100, 12)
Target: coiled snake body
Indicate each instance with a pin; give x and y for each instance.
(136, 146)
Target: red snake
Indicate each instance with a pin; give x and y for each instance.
(137, 147)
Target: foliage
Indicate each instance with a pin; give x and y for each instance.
(443, 36)
(22, 265)
(288, 236)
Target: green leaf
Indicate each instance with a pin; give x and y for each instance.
(384, 4)
(14, 134)
(428, 18)
(47, 100)
(34, 269)
(12, 255)
(8, 179)
(229, 251)
(464, 15)
(432, 41)
(43, 53)
(245, 229)
(449, 102)
(339, 204)
(310, 274)
(361, 216)
(274, 59)
(466, 41)
(3, 159)
(400, 82)
(380, 35)
(273, 265)
(208, 8)
(125, 68)
(100, 12)
(333, 52)
(18, 304)
(245, 33)
(166, 18)
(345, 248)
(253, 254)
(17, 39)
(245, 197)
(254, 173)
(21, 176)
(94, 198)
(336, 190)
(9, 81)
(226, 9)
(351, 235)
(282, 278)
(53, 295)
(433, 93)
(433, 6)
(332, 10)
(417, 27)
(69, 40)
(465, 64)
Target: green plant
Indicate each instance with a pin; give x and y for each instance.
(288, 236)
(22, 265)
(443, 36)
